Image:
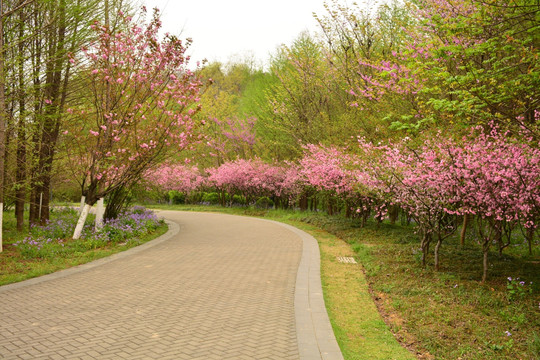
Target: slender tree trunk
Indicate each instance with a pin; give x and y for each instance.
(330, 206)
(464, 230)
(51, 126)
(20, 175)
(91, 199)
(530, 237)
(80, 223)
(426, 240)
(303, 202)
(436, 253)
(2, 120)
(99, 215)
(393, 213)
(348, 209)
(83, 198)
(116, 202)
(35, 171)
(485, 263)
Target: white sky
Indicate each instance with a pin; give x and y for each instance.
(227, 29)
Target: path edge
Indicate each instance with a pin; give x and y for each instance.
(174, 229)
(315, 336)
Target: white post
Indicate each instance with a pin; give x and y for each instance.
(99, 214)
(80, 223)
(83, 199)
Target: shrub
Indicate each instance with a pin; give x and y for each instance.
(176, 197)
(238, 200)
(264, 203)
(211, 198)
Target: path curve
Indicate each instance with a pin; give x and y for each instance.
(214, 287)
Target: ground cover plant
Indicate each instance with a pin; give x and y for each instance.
(49, 247)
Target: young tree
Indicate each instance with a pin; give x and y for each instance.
(137, 109)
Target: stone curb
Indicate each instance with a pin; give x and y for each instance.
(316, 339)
(174, 228)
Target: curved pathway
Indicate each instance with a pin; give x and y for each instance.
(214, 287)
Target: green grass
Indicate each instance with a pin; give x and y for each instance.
(448, 314)
(15, 267)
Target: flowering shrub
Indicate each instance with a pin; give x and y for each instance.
(53, 239)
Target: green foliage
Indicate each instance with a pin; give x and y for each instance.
(239, 200)
(264, 203)
(212, 198)
(534, 345)
(517, 289)
(176, 197)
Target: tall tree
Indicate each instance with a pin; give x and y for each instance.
(2, 119)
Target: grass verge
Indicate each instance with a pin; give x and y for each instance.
(15, 266)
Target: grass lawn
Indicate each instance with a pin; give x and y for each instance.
(16, 265)
(448, 314)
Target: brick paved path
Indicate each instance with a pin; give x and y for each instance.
(215, 287)
(221, 288)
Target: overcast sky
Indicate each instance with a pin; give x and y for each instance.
(224, 29)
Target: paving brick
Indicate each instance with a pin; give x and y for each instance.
(222, 288)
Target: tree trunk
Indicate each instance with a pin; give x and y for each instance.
(20, 174)
(51, 126)
(464, 230)
(426, 240)
(116, 202)
(436, 254)
(393, 213)
(81, 207)
(99, 215)
(530, 237)
(303, 202)
(2, 119)
(80, 223)
(348, 210)
(330, 206)
(485, 248)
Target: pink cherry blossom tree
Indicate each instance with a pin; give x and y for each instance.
(250, 178)
(328, 171)
(178, 177)
(136, 109)
(496, 180)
